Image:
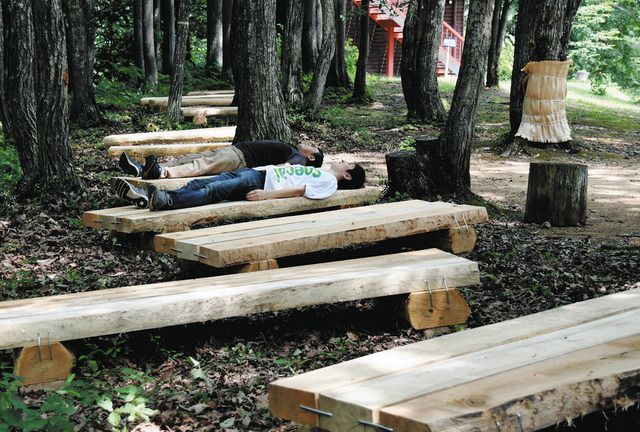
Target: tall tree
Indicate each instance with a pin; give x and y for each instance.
(214, 34)
(138, 34)
(313, 99)
(291, 62)
(227, 40)
(180, 54)
(3, 90)
(360, 82)
(542, 32)
(261, 110)
(423, 28)
(310, 43)
(338, 76)
(150, 68)
(168, 18)
(498, 29)
(81, 35)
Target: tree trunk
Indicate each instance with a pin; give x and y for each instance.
(227, 40)
(3, 90)
(150, 69)
(542, 33)
(310, 43)
(177, 78)
(157, 32)
(360, 82)
(338, 76)
(167, 12)
(292, 53)
(55, 168)
(313, 99)
(138, 34)
(214, 34)
(498, 30)
(450, 163)
(261, 111)
(84, 109)
(408, 66)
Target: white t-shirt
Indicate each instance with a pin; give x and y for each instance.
(319, 184)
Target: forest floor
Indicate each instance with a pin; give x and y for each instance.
(214, 376)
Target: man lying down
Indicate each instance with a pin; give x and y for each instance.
(258, 184)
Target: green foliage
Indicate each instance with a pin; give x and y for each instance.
(10, 170)
(351, 53)
(505, 63)
(409, 143)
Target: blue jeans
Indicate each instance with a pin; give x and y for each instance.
(233, 185)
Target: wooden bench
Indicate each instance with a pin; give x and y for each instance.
(199, 100)
(133, 220)
(241, 244)
(211, 92)
(140, 151)
(200, 114)
(111, 311)
(518, 375)
(202, 135)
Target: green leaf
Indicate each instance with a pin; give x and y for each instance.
(106, 404)
(114, 419)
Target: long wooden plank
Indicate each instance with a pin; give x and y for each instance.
(211, 92)
(364, 400)
(543, 394)
(209, 111)
(131, 220)
(199, 100)
(140, 151)
(286, 394)
(142, 307)
(218, 134)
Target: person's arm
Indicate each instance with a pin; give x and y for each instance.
(261, 194)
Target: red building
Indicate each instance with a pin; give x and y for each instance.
(385, 35)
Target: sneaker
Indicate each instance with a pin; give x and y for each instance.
(151, 169)
(129, 165)
(159, 199)
(133, 194)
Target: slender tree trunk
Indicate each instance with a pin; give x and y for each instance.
(214, 34)
(542, 33)
(3, 90)
(313, 99)
(498, 30)
(227, 40)
(261, 110)
(157, 33)
(168, 15)
(360, 82)
(408, 65)
(310, 43)
(177, 78)
(292, 53)
(55, 166)
(151, 71)
(338, 76)
(79, 15)
(138, 34)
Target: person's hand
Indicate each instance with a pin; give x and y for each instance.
(257, 195)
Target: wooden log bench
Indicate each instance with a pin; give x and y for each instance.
(211, 92)
(133, 220)
(518, 375)
(202, 135)
(200, 114)
(141, 151)
(112, 311)
(242, 244)
(224, 99)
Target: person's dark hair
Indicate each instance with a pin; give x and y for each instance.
(318, 158)
(357, 179)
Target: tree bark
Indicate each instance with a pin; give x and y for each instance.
(3, 90)
(338, 76)
(291, 63)
(214, 34)
(310, 42)
(168, 16)
(138, 34)
(542, 33)
(227, 40)
(261, 110)
(79, 14)
(408, 65)
(313, 99)
(360, 82)
(177, 78)
(157, 32)
(498, 30)
(150, 68)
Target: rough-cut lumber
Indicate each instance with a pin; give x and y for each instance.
(73, 316)
(456, 240)
(557, 193)
(209, 111)
(294, 235)
(131, 219)
(217, 134)
(211, 92)
(285, 395)
(44, 364)
(140, 151)
(207, 100)
(424, 310)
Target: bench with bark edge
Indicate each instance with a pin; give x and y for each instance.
(133, 220)
(195, 100)
(200, 135)
(141, 151)
(523, 374)
(40, 324)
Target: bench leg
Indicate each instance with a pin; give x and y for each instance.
(440, 308)
(49, 364)
(456, 240)
(269, 264)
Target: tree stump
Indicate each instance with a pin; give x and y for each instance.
(557, 193)
(402, 167)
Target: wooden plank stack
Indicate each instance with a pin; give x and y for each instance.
(519, 375)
